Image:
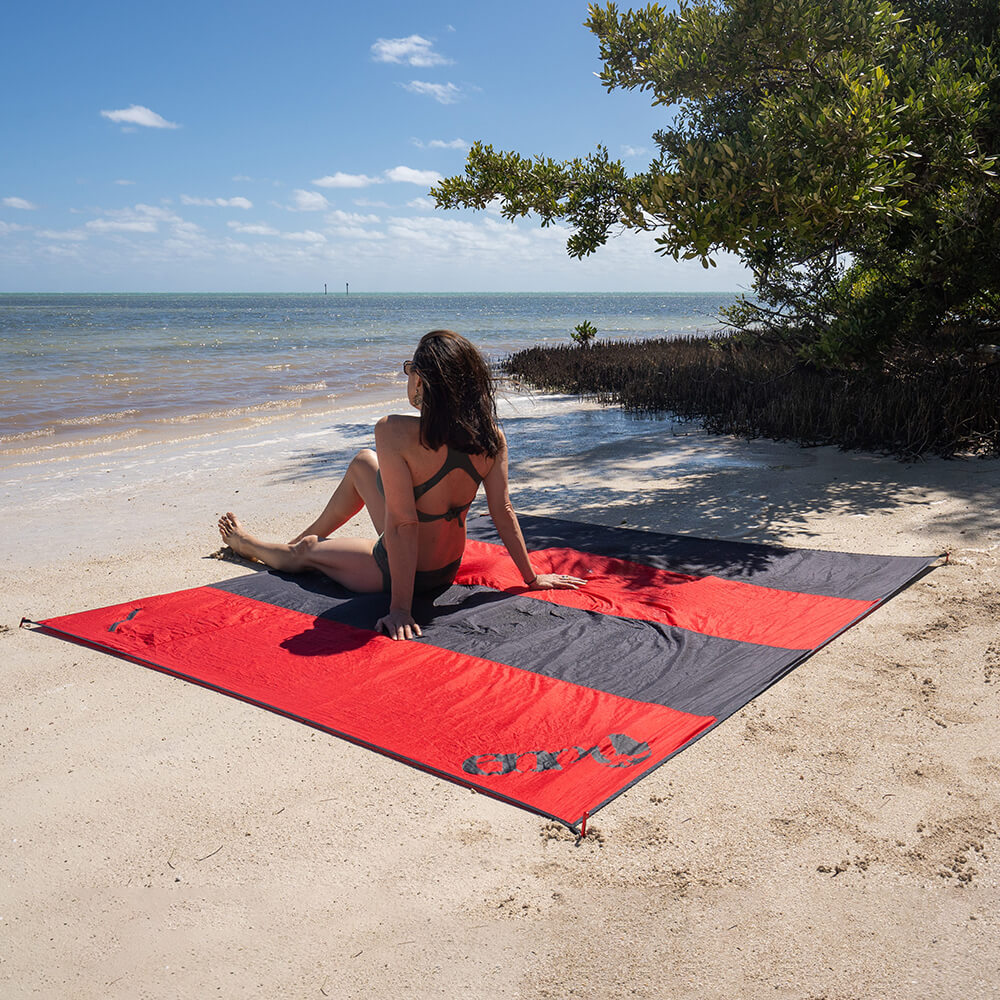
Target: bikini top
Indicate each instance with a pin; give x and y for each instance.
(454, 460)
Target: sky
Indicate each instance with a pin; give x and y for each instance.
(261, 147)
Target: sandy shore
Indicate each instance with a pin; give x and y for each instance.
(839, 838)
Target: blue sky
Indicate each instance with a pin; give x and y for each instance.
(256, 147)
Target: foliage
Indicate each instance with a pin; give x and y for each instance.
(743, 386)
(844, 149)
(584, 333)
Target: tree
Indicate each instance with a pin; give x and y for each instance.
(584, 333)
(845, 150)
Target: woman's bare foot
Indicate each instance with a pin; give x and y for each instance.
(277, 555)
(235, 535)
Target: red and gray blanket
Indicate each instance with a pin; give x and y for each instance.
(555, 701)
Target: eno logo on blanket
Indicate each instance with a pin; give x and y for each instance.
(623, 752)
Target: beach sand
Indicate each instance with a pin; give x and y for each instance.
(838, 838)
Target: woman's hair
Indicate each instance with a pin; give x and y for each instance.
(458, 407)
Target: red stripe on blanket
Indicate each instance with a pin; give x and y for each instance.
(554, 747)
(705, 604)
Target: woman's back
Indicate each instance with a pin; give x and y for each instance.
(445, 482)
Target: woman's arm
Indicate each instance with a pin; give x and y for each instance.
(501, 510)
(401, 534)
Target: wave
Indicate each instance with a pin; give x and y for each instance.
(303, 387)
(95, 418)
(57, 445)
(230, 412)
(28, 435)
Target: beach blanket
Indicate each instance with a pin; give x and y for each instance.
(555, 701)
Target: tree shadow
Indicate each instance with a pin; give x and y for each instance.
(329, 463)
(610, 468)
(682, 479)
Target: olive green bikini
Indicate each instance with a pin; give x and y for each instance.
(429, 579)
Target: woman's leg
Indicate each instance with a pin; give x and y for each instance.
(349, 561)
(357, 489)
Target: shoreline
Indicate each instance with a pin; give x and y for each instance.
(79, 369)
(837, 837)
(681, 465)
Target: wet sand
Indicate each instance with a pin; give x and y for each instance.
(838, 838)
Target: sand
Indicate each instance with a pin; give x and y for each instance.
(838, 838)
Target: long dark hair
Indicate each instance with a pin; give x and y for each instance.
(458, 407)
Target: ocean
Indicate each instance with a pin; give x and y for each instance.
(92, 369)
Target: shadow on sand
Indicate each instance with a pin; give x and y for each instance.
(606, 467)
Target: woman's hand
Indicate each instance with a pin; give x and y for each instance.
(398, 625)
(555, 581)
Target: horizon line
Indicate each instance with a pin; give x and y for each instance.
(341, 294)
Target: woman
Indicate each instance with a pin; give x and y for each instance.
(418, 486)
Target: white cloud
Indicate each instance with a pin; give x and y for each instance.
(308, 236)
(437, 237)
(414, 51)
(443, 93)
(308, 201)
(247, 179)
(124, 183)
(21, 203)
(11, 227)
(73, 235)
(356, 233)
(440, 144)
(407, 175)
(220, 202)
(420, 203)
(122, 225)
(367, 203)
(337, 217)
(342, 180)
(67, 251)
(634, 150)
(352, 226)
(495, 208)
(153, 212)
(136, 114)
(138, 219)
(252, 229)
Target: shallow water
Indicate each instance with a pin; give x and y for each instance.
(101, 369)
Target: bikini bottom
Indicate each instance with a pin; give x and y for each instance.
(423, 579)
